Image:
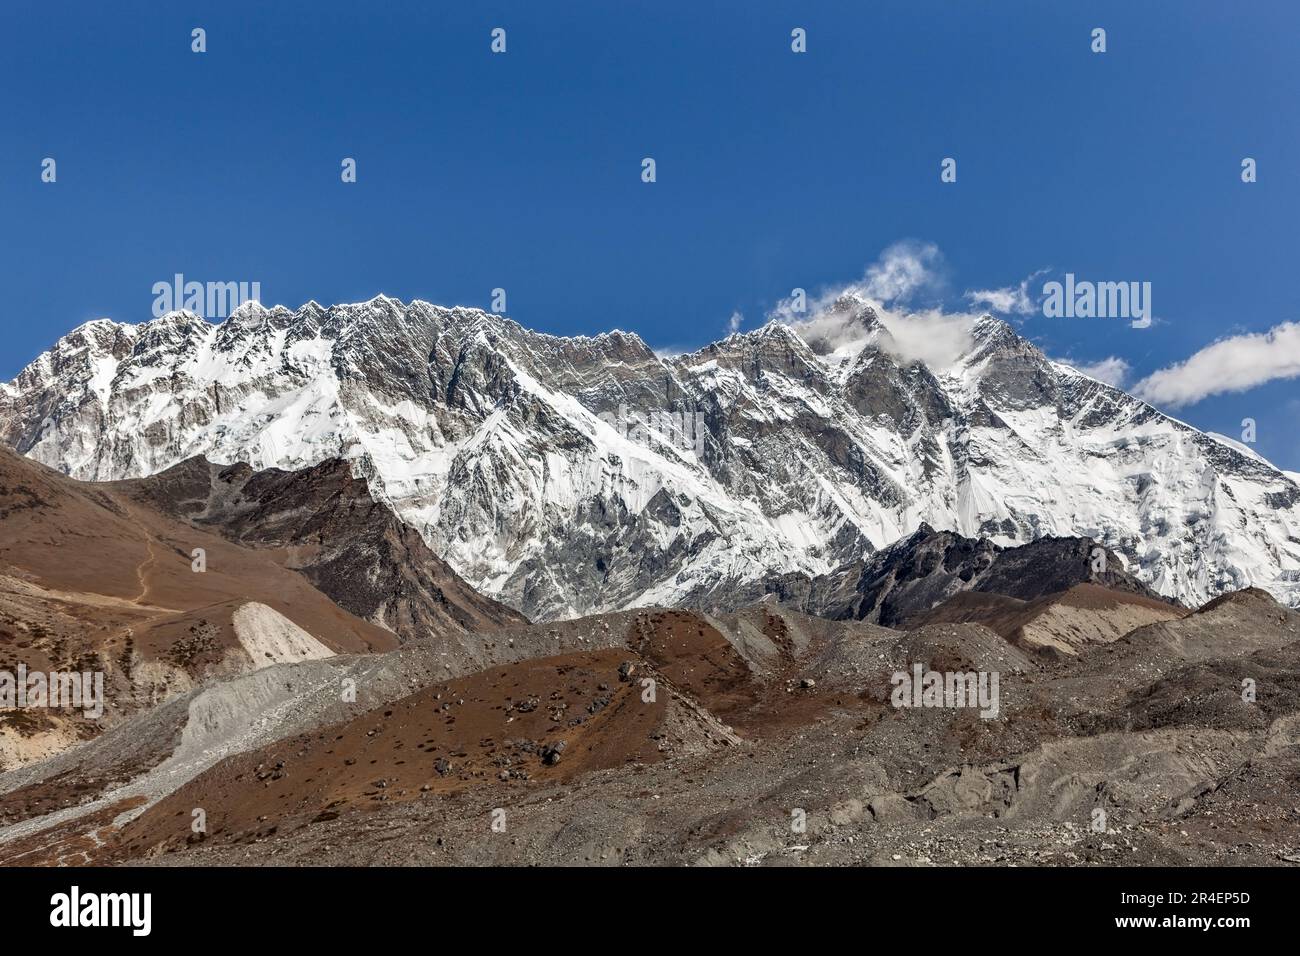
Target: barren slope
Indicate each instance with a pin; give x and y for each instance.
(323, 522)
(92, 580)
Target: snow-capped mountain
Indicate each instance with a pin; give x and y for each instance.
(548, 472)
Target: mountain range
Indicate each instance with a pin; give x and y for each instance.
(541, 471)
(279, 649)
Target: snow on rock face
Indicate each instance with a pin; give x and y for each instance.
(512, 452)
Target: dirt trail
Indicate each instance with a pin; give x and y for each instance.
(140, 572)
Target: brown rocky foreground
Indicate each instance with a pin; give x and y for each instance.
(302, 701)
(769, 738)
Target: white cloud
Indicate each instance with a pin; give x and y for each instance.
(903, 271)
(733, 323)
(1004, 300)
(836, 319)
(1234, 364)
(1112, 370)
(933, 337)
(1009, 300)
(937, 335)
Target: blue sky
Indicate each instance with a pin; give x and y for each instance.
(775, 170)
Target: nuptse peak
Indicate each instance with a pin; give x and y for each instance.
(551, 473)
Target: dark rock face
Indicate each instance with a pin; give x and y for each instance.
(1050, 565)
(898, 585)
(351, 547)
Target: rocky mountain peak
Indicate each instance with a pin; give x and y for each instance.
(565, 475)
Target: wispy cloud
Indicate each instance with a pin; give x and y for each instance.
(667, 352)
(1008, 300)
(903, 270)
(889, 287)
(734, 323)
(1112, 370)
(897, 276)
(1233, 364)
(882, 308)
(933, 337)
